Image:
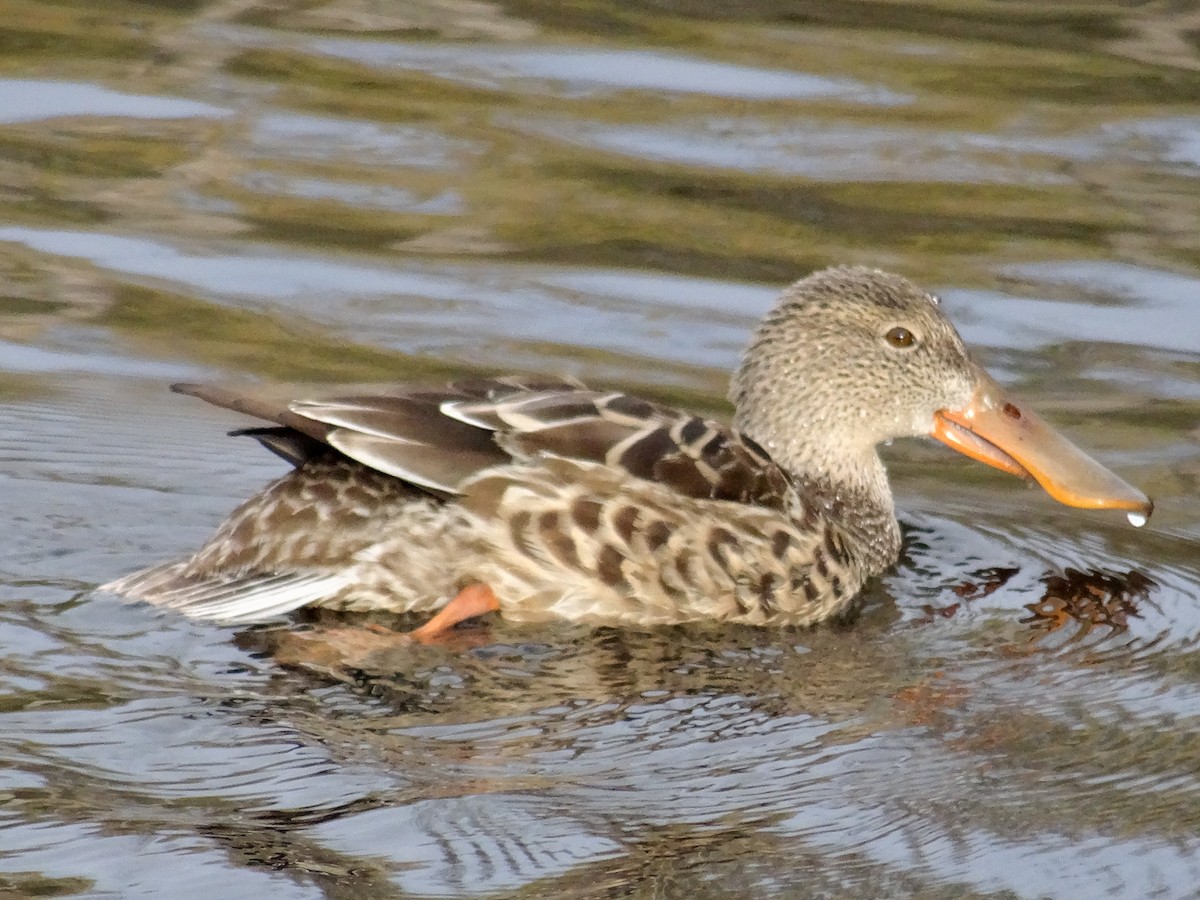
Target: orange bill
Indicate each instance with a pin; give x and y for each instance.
(998, 430)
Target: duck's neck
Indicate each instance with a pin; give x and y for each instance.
(847, 488)
(863, 509)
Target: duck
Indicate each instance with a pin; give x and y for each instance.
(540, 498)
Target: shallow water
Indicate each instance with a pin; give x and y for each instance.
(349, 191)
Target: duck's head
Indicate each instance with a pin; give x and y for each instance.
(850, 357)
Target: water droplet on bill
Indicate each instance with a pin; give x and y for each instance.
(1137, 520)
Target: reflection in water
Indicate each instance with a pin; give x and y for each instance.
(591, 70)
(281, 136)
(24, 100)
(822, 151)
(347, 191)
(981, 584)
(1090, 599)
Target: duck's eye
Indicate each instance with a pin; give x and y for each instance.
(901, 337)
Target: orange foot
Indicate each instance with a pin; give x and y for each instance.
(475, 600)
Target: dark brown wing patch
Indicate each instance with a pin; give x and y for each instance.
(695, 457)
(437, 439)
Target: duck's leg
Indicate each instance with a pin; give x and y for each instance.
(474, 600)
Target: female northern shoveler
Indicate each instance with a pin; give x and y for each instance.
(542, 498)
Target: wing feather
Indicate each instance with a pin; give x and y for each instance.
(437, 439)
(232, 600)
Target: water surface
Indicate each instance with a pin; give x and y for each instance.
(346, 191)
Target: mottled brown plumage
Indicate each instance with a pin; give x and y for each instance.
(596, 506)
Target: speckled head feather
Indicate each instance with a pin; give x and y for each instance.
(821, 385)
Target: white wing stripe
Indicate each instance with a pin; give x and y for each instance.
(250, 600)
